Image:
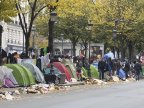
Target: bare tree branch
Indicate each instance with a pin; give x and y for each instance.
(20, 18)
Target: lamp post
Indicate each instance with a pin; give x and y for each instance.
(114, 38)
(33, 37)
(90, 24)
(23, 42)
(62, 38)
(52, 20)
(1, 30)
(89, 28)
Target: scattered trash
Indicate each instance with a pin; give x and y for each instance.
(8, 96)
(46, 88)
(98, 82)
(115, 79)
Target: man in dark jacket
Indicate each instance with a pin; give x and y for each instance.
(78, 69)
(102, 67)
(127, 68)
(138, 69)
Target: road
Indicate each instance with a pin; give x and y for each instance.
(127, 95)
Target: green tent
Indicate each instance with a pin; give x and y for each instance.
(29, 74)
(84, 72)
(22, 76)
(94, 72)
(70, 66)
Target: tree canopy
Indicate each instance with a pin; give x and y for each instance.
(126, 16)
(7, 10)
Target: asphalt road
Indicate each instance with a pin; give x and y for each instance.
(128, 95)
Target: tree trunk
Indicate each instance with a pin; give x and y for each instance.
(27, 36)
(73, 49)
(131, 51)
(1, 29)
(124, 52)
(118, 52)
(122, 49)
(86, 48)
(51, 37)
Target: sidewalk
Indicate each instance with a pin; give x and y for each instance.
(14, 93)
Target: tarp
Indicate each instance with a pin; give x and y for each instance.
(35, 71)
(21, 75)
(109, 55)
(93, 70)
(61, 67)
(7, 76)
(70, 66)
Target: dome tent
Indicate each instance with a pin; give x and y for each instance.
(22, 76)
(93, 70)
(38, 75)
(61, 67)
(6, 77)
(28, 74)
(70, 66)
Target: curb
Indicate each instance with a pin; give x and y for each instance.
(72, 84)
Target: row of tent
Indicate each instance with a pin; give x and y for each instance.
(26, 74)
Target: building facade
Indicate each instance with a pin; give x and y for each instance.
(65, 47)
(12, 37)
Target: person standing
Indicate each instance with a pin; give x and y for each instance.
(102, 67)
(78, 69)
(138, 69)
(126, 68)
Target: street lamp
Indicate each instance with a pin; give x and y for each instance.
(90, 24)
(114, 38)
(52, 20)
(89, 28)
(33, 36)
(23, 42)
(62, 38)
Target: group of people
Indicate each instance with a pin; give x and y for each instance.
(123, 70)
(81, 62)
(108, 66)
